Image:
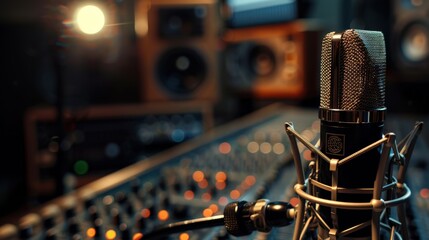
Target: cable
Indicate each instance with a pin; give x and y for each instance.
(186, 225)
(239, 218)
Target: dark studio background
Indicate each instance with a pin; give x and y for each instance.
(104, 72)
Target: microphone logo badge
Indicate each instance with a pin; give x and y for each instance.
(335, 143)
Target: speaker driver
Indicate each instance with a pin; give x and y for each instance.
(181, 70)
(262, 60)
(249, 61)
(415, 42)
(409, 41)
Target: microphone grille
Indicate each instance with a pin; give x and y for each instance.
(362, 67)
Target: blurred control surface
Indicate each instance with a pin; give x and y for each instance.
(247, 160)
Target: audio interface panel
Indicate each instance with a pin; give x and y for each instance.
(101, 139)
(247, 159)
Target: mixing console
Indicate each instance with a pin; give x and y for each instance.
(245, 160)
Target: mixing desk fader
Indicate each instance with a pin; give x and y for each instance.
(248, 159)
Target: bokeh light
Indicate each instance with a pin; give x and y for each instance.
(90, 19)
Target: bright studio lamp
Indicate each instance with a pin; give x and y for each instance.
(89, 19)
(86, 27)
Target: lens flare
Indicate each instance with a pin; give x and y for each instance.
(90, 19)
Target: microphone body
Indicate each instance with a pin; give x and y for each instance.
(352, 117)
(339, 140)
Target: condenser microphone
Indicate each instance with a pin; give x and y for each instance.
(352, 110)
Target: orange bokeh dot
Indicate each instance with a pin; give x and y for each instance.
(137, 236)
(235, 194)
(206, 197)
(220, 177)
(307, 155)
(207, 212)
(184, 236)
(250, 180)
(220, 185)
(163, 215)
(189, 195)
(145, 213)
(224, 148)
(294, 201)
(214, 208)
(91, 232)
(223, 201)
(198, 176)
(110, 234)
(203, 184)
(424, 193)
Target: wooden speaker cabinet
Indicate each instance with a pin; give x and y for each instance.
(278, 61)
(177, 47)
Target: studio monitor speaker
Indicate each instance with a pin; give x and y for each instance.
(278, 61)
(177, 46)
(410, 40)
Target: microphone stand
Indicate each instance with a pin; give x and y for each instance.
(384, 182)
(242, 218)
(59, 109)
(56, 32)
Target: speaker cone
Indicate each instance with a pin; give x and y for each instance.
(262, 60)
(248, 61)
(415, 42)
(181, 70)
